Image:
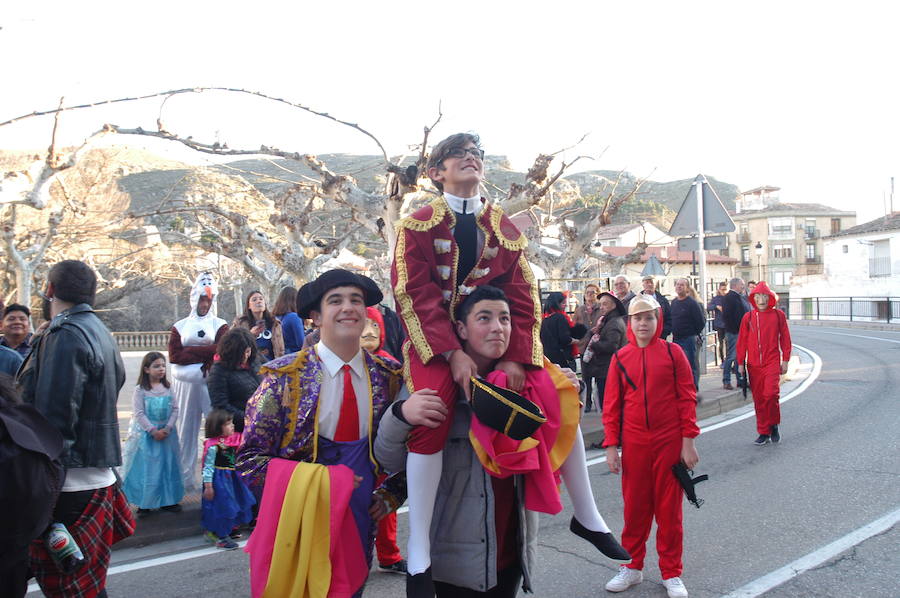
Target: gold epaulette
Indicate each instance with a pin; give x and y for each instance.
(498, 223)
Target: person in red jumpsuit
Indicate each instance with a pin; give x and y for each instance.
(764, 345)
(389, 557)
(649, 409)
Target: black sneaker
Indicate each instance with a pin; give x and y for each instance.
(235, 534)
(763, 439)
(172, 508)
(398, 567)
(776, 435)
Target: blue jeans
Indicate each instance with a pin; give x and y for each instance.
(730, 363)
(689, 345)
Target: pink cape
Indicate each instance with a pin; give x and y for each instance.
(530, 457)
(348, 564)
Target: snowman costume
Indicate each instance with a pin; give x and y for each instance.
(192, 344)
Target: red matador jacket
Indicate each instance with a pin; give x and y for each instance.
(649, 392)
(764, 338)
(423, 275)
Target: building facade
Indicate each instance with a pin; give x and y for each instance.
(775, 241)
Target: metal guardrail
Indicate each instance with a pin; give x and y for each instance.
(852, 309)
(142, 341)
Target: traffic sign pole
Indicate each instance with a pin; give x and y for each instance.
(701, 258)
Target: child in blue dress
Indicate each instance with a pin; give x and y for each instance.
(151, 470)
(227, 502)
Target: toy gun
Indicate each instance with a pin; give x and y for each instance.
(683, 475)
(744, 380)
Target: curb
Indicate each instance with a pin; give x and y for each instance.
(846, 324)
(161, 526)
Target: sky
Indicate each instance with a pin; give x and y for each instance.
(799, 95)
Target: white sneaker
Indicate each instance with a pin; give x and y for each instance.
(624, 579)
(675, 587)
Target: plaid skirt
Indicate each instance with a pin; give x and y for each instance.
(106, 520)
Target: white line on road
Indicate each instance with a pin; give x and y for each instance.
(874, 338)
(124, 568)
(805, 563)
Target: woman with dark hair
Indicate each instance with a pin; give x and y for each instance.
(291, 324)
(235, 374)
(559, 333)
(263, 325)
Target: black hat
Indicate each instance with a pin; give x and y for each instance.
(310, 295)
(504, 410)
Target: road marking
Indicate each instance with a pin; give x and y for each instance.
(183, 556)
(805, 563)
(874, 338)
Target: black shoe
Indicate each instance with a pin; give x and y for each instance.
(420, 585)
(141, 513)
(604, 542)
(775, 435)
(763, 439)
(172, 508)
(398, 567)
(235, 534)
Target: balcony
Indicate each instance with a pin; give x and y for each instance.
(743, 237)
(815, 259)
(781, 233)
(745, 263)
(811, 233)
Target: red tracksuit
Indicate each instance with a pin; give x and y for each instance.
(764, 341)
(648, 409)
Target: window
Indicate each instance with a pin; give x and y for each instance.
(781, 279)
(611, 244)
(745, 255)
(781, 228)
(810, 251)
(845, 249)
(880, 258)
(783, 250)
(835, 226)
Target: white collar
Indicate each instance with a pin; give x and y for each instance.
(457, 204)
(333, 363)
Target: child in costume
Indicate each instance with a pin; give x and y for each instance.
(649, 409)
(764, 346)
(152, 476)
(444, 251)
(227, 502)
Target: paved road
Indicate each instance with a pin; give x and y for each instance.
(770, 512)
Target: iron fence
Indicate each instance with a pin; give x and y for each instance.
(852, 309)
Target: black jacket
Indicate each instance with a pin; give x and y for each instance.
(556, 337)
(229, 389)
(733, 310)
(73, 376)
(688, 318)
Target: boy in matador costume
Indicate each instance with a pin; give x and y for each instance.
(444, 251)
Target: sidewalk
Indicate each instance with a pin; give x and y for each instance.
(713, 400)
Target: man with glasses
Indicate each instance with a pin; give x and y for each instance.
(444, 251)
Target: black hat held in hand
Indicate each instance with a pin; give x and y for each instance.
(504, 410)
(310, 295)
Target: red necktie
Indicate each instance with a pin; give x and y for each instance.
(348, 423)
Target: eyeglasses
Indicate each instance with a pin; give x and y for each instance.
(460, 152)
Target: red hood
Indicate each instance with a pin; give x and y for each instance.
(763, 288)
(659, 327)
(373, 314)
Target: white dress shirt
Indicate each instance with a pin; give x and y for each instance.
(331, 395)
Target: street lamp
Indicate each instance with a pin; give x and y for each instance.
(759, 252)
